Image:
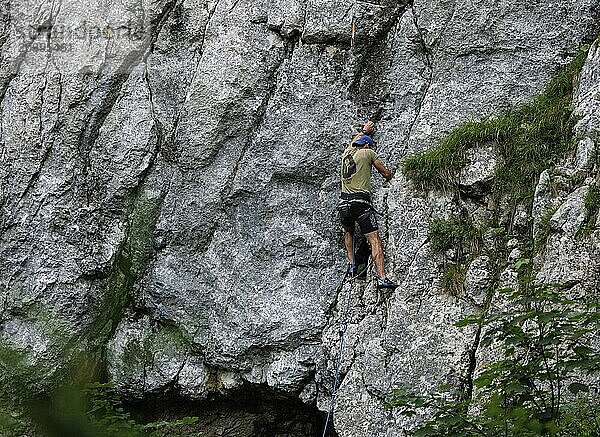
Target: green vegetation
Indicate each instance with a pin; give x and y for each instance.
(74, 408)
(104, 414)
(463, 237)
(454, 233)
(15, 374)
(592, 201)
(453, 279)
(91, 410)
(543, 231)
(529, 139)
(438, 168)
(578, 178)
(130, 262)
(592, 205)
(535, 383)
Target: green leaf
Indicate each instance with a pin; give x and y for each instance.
(583, 350)
(470, 320)
(521, 263)
(517, 388)
(577, 387)
(483, 380)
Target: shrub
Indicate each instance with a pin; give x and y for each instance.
(454, 234)
(547, 345)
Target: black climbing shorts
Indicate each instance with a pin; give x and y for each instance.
(357, 212)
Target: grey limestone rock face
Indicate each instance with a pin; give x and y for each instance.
(168, 184)
(476, 176)
(570, 215)
(478, 279)
(571, 251)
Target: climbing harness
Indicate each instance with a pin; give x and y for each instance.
(349, 294)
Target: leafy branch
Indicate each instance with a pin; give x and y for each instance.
(545, 344)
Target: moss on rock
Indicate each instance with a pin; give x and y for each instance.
(529, 139)
(130, 262)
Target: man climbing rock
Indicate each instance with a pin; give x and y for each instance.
(355, 200)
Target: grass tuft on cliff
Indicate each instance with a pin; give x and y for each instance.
(454, 233)
(465, 239)
(592, 200)
(529, 139)
(592, 205)
(453, 279)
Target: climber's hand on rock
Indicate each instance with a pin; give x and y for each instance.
(391, 174)
(369, 127)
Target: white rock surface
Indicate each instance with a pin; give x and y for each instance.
(177, 167)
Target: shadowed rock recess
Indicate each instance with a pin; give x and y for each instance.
(168, 179)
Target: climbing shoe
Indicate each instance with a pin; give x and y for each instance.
(386, 283)
(352, 270)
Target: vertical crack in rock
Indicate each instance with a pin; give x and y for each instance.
(129, 263)
(14, 72)
(200, 53)
(304, 18)
(349, 362)
(466, 387)
(369, 54)
(36, 174)
(427, 51)
(261, 112)
(386, 222)
(47, 152)
(5, 20)
(183, 363)
(157, 128)
(135, 251)
(428, 61)
(235, 3)
(106, 94)
(15, 69)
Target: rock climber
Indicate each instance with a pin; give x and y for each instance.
(355, 200)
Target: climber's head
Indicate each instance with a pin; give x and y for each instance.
(363, 141)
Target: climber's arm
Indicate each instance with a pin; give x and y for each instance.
(368, 129)
(387, 173)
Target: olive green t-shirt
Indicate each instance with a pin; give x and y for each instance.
(356, 170)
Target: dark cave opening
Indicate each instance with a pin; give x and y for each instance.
(251, 410)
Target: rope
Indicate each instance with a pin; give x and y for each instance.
(353, 32)
(347, 310)
(339, 360)
(342, 340)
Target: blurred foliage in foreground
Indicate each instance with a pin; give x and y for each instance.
(94, 410)
(75, 408)
(540, 349)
